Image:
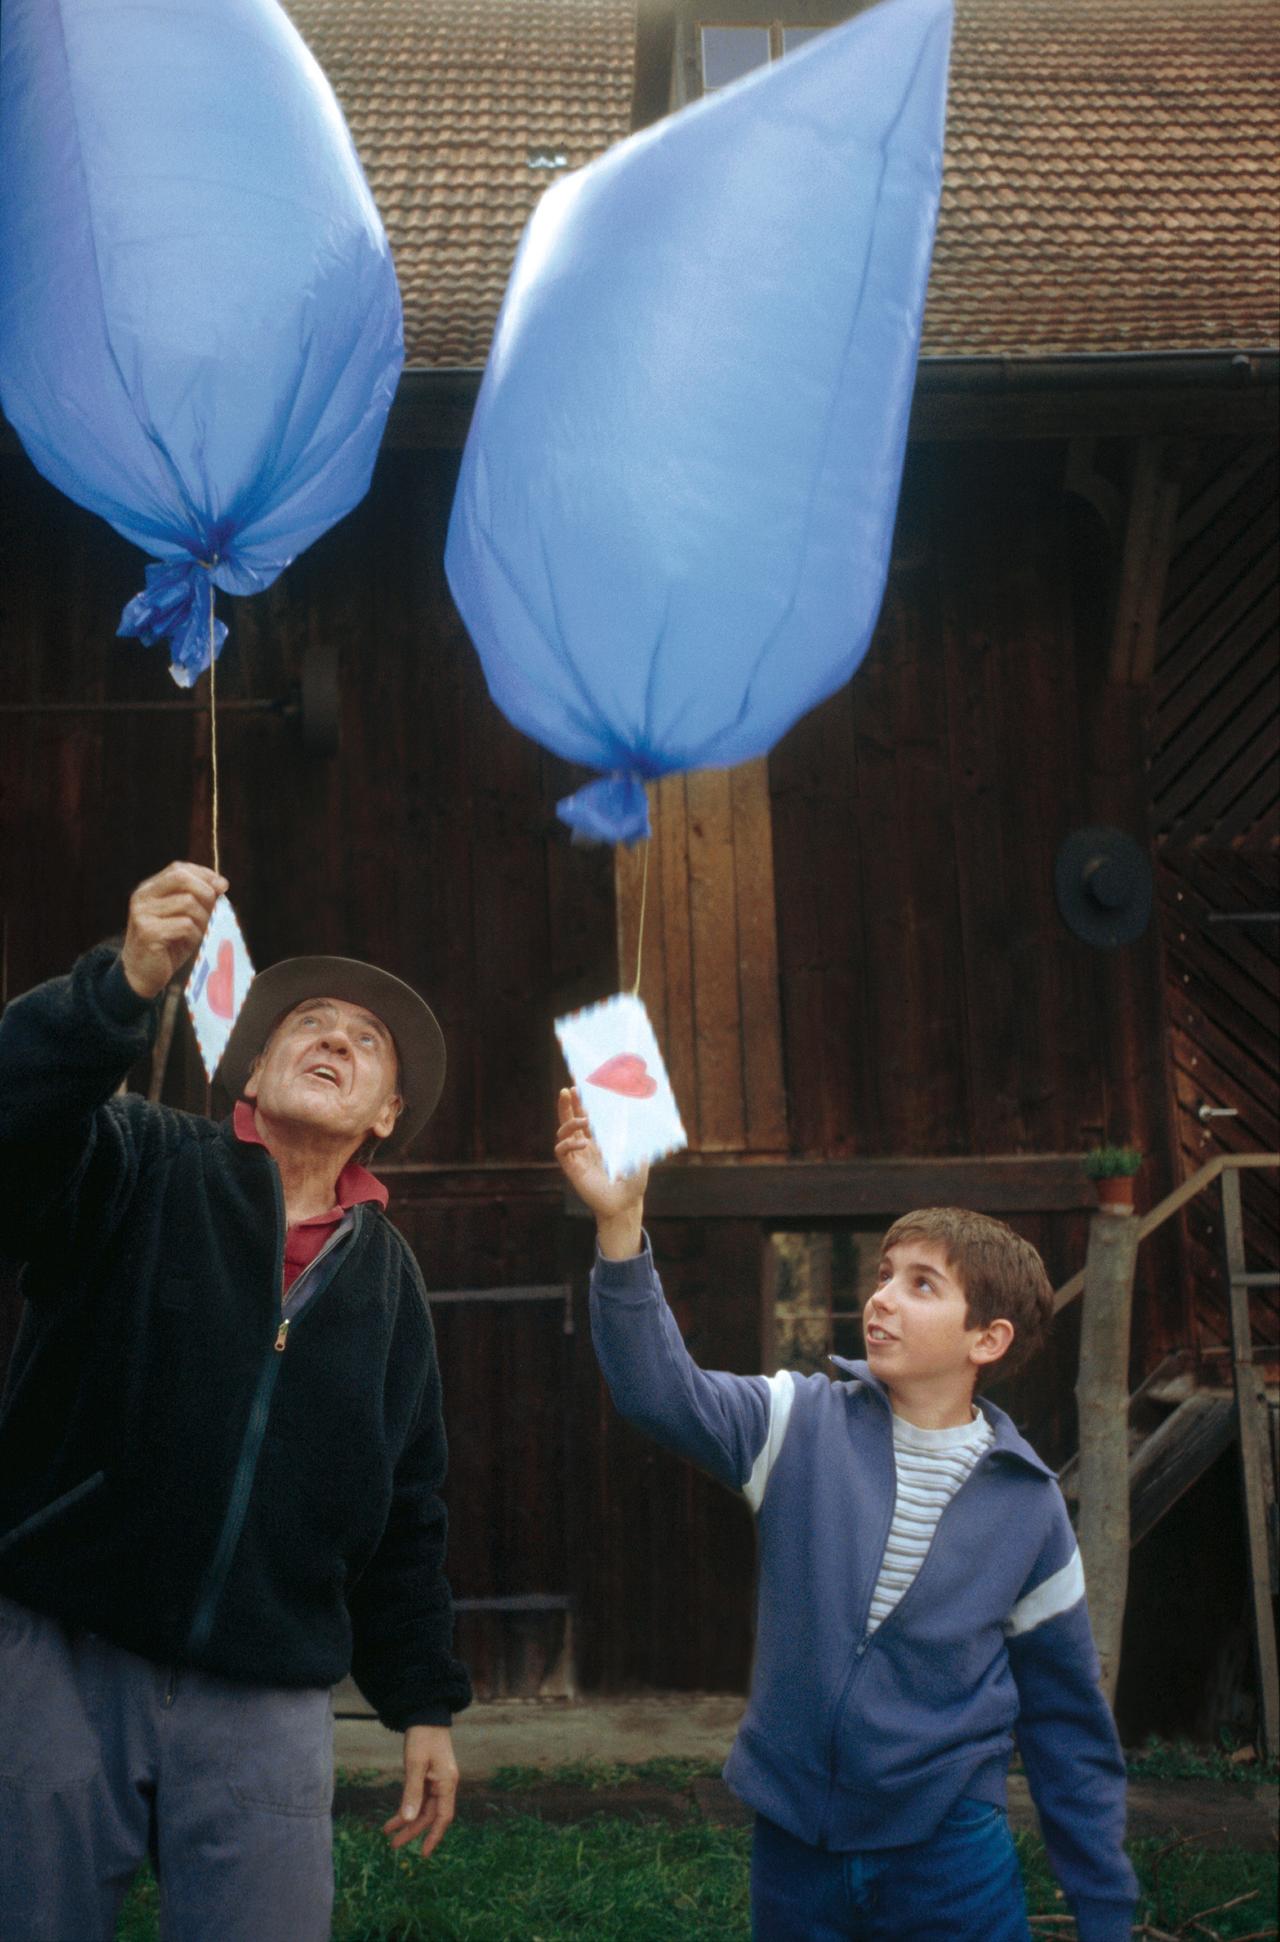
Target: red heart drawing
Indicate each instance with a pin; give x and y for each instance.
(626, 1073)
(221, 988)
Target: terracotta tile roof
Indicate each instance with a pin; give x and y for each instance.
(1111, 179)
(445, 99)
(1111, 174)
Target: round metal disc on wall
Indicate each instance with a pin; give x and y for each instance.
(1104, 886)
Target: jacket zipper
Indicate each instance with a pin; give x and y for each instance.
(250, 1445)
(858, 1654)
(860, 1650)
(246, 1463)
(237, 1504)
(282, 1333)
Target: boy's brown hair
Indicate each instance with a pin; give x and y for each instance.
(1001, 1274)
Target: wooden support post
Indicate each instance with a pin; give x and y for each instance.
(1102, 1398)
(1254, 1437)
(1144, 564)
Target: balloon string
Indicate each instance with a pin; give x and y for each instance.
(213, 728)
(644, 898)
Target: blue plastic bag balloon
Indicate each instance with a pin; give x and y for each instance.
(672, 525)
(200, 329)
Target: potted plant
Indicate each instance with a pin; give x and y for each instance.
(1111, 1169)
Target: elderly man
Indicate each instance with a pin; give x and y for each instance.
(221, 1445)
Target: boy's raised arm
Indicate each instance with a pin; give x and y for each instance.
(726, 1424)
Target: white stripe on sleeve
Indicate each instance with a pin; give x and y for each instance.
(782, 1390)
(1049, 1600)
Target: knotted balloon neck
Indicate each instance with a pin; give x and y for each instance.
(613, 809)
(177, 606)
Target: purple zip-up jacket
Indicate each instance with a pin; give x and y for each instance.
(854, 1739)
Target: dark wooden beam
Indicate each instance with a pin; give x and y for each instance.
(958, 398)
(432, 409)
(965, 398)
(1215, 395)
(655, 55)
(1144, 562)
(842, 1189)
(1148, 409)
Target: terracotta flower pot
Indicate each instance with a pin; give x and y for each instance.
(1115, 1193)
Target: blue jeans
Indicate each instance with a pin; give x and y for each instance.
(961, 1885)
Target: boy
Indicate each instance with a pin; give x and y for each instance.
(920, 1593)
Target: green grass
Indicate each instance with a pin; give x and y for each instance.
(1184, 1760)
(599, 1775)
(1177, 1884)
(606, 1880)
(602, 1881)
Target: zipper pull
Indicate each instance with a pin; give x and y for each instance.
(282, 1337)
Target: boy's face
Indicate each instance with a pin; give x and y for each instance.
(914, 1323)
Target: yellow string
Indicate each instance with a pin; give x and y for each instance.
(644, 898)
(213, 728)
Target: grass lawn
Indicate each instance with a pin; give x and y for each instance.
(518, 1879)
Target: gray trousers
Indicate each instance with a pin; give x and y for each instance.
(106, 1757)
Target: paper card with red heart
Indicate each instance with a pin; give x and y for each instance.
(613, 1055)
(219, 984)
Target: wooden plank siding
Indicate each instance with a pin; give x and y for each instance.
(1224, 1020)
(933, 1001)
(1215, 703)
(852, 954)
(1215, 796)
(707, 954)
(428, 843)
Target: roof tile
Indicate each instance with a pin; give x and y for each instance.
(1111, 179)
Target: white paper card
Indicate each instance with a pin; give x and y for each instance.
(612, 1053)
(219, 984)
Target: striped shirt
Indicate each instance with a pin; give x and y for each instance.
(931, 1466)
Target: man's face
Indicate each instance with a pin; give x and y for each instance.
(330, 1067)
(914, 1323)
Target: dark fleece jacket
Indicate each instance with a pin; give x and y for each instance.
(167, 1478)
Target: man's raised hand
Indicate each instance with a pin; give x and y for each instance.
(168, 916)
(618, 1205)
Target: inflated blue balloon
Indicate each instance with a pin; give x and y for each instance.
(672, 525)
(200, 327)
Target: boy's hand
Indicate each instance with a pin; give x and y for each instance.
(618, 1205)
(168, 916)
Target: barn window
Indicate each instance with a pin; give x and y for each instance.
(793, 37)
(730, 51)
(816, 1283)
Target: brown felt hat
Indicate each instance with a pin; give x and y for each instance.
(409, 1019)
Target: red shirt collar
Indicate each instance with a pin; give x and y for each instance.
(355, 1183)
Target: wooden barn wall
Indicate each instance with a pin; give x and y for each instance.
(1215, 791)
(429, 844)
(933, 1000)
